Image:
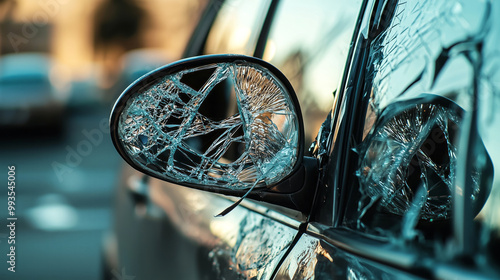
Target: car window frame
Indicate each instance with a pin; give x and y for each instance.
(198, 38)
(330, 211)
(266, 28)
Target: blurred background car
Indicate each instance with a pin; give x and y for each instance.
(29, 99)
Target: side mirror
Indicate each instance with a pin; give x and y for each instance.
(221, 123)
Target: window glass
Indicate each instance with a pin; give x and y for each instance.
(237, 27)
(309, 42)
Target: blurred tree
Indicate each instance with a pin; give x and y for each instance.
(118, 22)
(117, 29)
(6, 10)
(6, 6)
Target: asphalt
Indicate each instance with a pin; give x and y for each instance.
(63, 198)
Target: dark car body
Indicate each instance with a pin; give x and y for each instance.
(403, 165)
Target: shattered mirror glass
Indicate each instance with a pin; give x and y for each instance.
(229, 124)
(408, 155)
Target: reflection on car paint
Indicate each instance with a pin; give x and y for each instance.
(161, 126)
(242, 245)
(313, 259)
(301, 263)
(261, 243)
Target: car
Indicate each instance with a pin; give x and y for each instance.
(401, 179)
(29, 97)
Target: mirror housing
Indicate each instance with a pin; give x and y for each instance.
(220, 123)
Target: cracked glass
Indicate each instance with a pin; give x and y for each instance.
(230, 125)
(411, 151)
(408, 155)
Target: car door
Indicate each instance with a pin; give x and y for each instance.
(401, 198)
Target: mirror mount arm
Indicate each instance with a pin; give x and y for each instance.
(296, 192)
